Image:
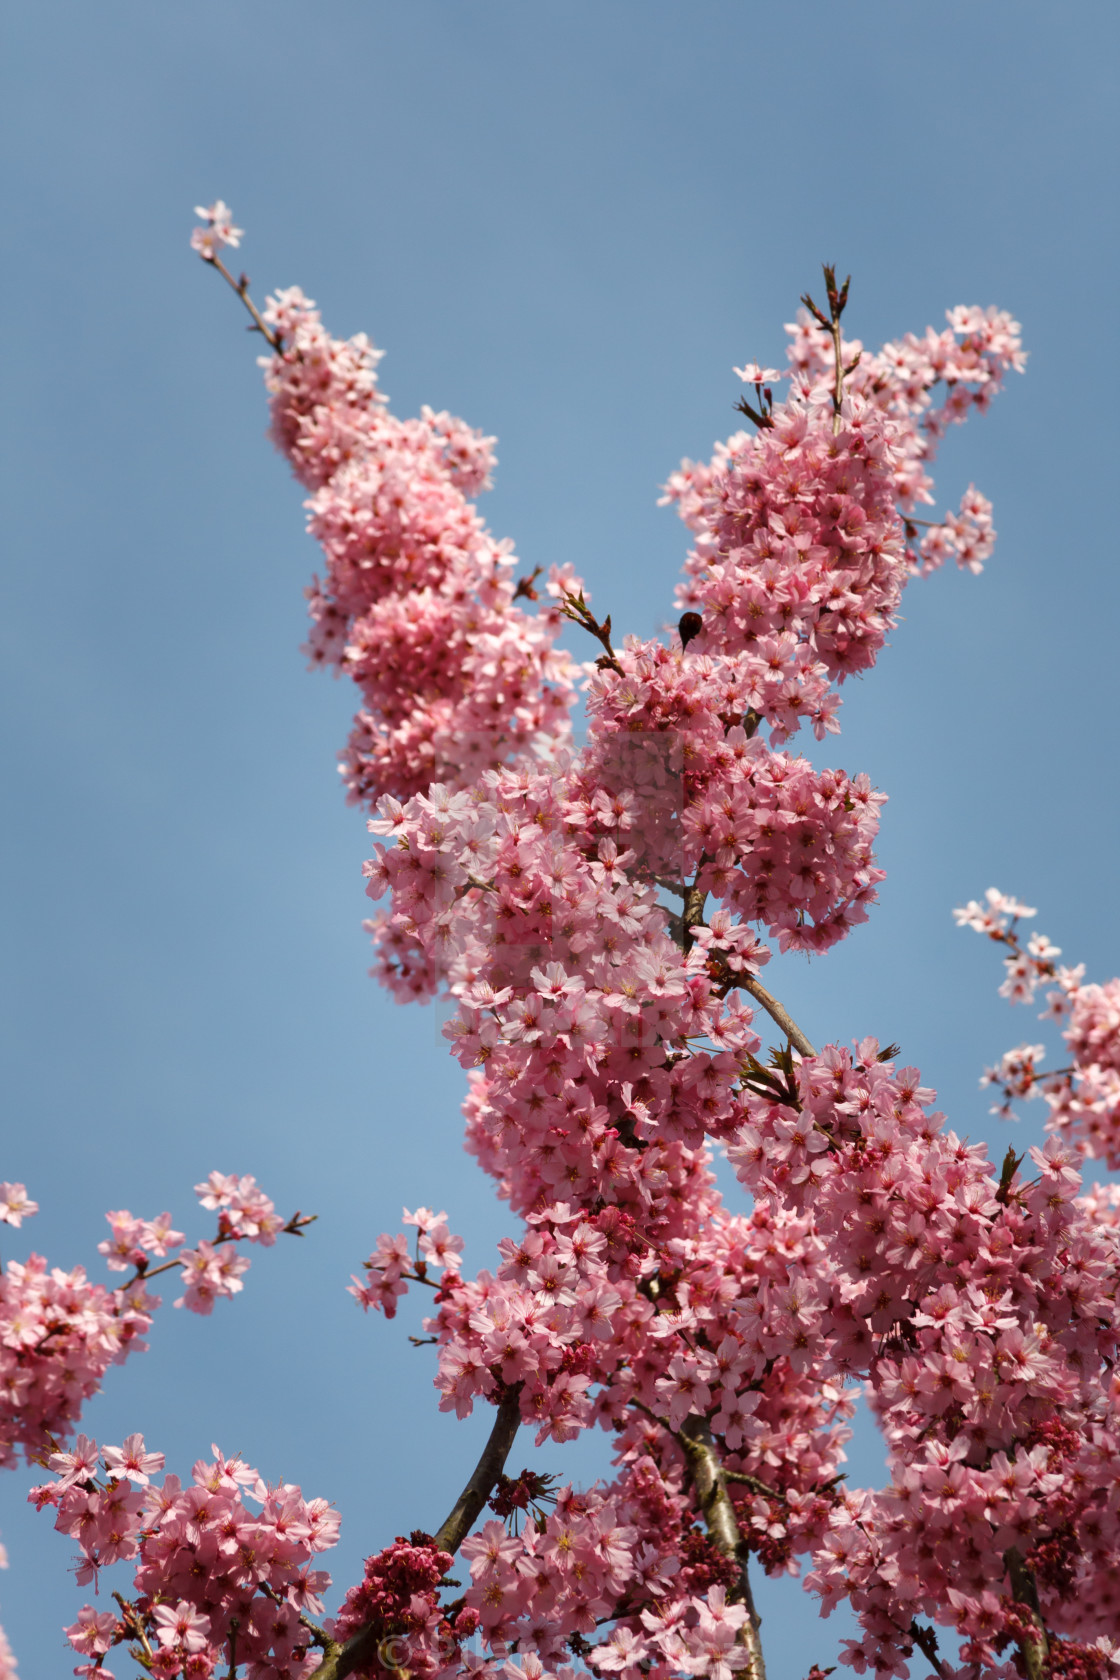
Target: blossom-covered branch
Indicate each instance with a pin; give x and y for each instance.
(1084, 1097)
(611, 1042)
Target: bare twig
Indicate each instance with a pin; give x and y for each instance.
(926, 1641)
(759, 416)
(577, 609)
(837, 302)
(777, 1012)
(241, 287)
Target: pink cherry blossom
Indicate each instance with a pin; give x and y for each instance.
(216, 230)
(15, 1204)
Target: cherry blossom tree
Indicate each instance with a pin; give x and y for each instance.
(600, 916)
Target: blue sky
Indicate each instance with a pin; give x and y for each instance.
(565, 221)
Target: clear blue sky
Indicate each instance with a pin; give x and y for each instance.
(565, 221)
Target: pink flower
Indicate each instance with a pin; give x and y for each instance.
(92, 1633)
(157, 1235)
(77, 1466)
(15, 1204)
(753, 374)
(181, 1624)
(132, 1461)
(216, 230)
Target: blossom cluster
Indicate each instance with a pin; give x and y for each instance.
(215, 1579)
(984, 1312)
(1083, 1098)
(396, 1605)
(802, 531)
(609, 1044)
(418, 604)
(60, 1331)
(215, 231)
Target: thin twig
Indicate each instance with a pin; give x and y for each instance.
(294, 1228)
(926, 1641)
(752, 1482)
(837, 302)
(319, 1636)
(132, 1621)
(757, 416)
(241, 287)
(577, 609)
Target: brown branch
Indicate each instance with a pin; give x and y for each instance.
(757, 416)
(837, 302)
(317, 1635)
(241, 287)
(777, 1012)
(576, 608)
(926, 1641)
(234, 1630)
(294, 1228)
(671, 886)
(450, 1536)
(133, 1626)
(710, 1479)
(693, 913)
(752, 1482)
(362, 1647)
(710, 1484)
(1034, 1649)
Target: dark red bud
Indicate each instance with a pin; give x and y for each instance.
(690, 625)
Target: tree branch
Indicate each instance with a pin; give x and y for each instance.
(361, 1649)
(777, 1012)
(926, 1641)
(576, 608)
(837, 301)
(1034, 1649)
(485, 1475)
(706, 1470)
(294, 1228)
(693, 913)
(241, 287)
(751, 1482)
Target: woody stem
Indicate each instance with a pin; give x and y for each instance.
(708, 1479)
